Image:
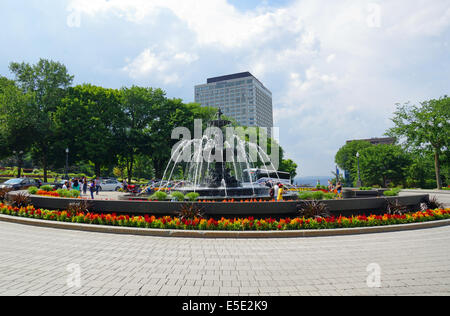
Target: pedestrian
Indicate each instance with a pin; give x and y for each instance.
(276, 189)
(339, 189)
(76, 185)
(85, 185)
(65, 185)
(330, 186)
(92, 188)
(280, 193)
(97, 185)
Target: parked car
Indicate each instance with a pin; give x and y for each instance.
(58, 185)
(19, 184)
(110, 185)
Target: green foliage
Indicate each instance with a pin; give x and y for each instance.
(33, 190)
(383, 163)
(425, 127)
(319, 195)
(75, 194)
(393, 192)
(178, 196)
(366, 189)
(159, 196)
(346, 156)
(46, 83)
(68, 193)
(193, 196)
(47, 188)
(287, 165)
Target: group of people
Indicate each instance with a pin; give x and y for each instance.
(276, 190)
(82, 185)
(338, 188)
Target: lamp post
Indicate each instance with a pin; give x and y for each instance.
(19, 162)
(67, 164)
(359, 183)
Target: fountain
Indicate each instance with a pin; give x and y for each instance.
(217, 168)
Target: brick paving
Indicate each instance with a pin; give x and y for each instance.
(35, 261)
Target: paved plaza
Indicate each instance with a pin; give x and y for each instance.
(42, 261)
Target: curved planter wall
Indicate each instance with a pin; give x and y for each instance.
(346, 207)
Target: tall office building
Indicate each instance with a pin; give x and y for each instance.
(240, 96)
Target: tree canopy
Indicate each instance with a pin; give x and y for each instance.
(425, 127)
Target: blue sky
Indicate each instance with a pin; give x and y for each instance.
(336, 68)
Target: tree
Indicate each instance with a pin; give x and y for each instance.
(47, 81)
(425, 127)
(143, 108)
(16, 126)
(89, 121)
(383, 163)
(346, 156)
(287, 165)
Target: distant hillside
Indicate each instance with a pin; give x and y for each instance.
(312, 181)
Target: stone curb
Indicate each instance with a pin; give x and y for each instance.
(221, 234)
(427, 191)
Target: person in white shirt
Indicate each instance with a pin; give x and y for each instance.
(276, 189)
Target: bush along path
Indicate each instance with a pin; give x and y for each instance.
(238, 224)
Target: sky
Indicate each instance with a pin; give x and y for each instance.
(336, 69)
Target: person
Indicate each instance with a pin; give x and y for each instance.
(76, 185)
(65, 185)
(125, 184)
(92, 188)
(97, 185)
(339, 189)
(330, 186)
(280, 193)
(85, 185)
(276, 189)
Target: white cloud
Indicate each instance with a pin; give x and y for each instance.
(165, 66)
(334, 76)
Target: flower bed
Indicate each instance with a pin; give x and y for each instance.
(47, 193)
(238, 224)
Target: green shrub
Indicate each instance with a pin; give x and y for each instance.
(178, 196)
(64, 193)
(318, 195)
(33, 190)
(47, 188)
(305, 196)
(329, 196)
(365, 189)
(393, 192)
(159, 196)
(75, 194)
(193, 196)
